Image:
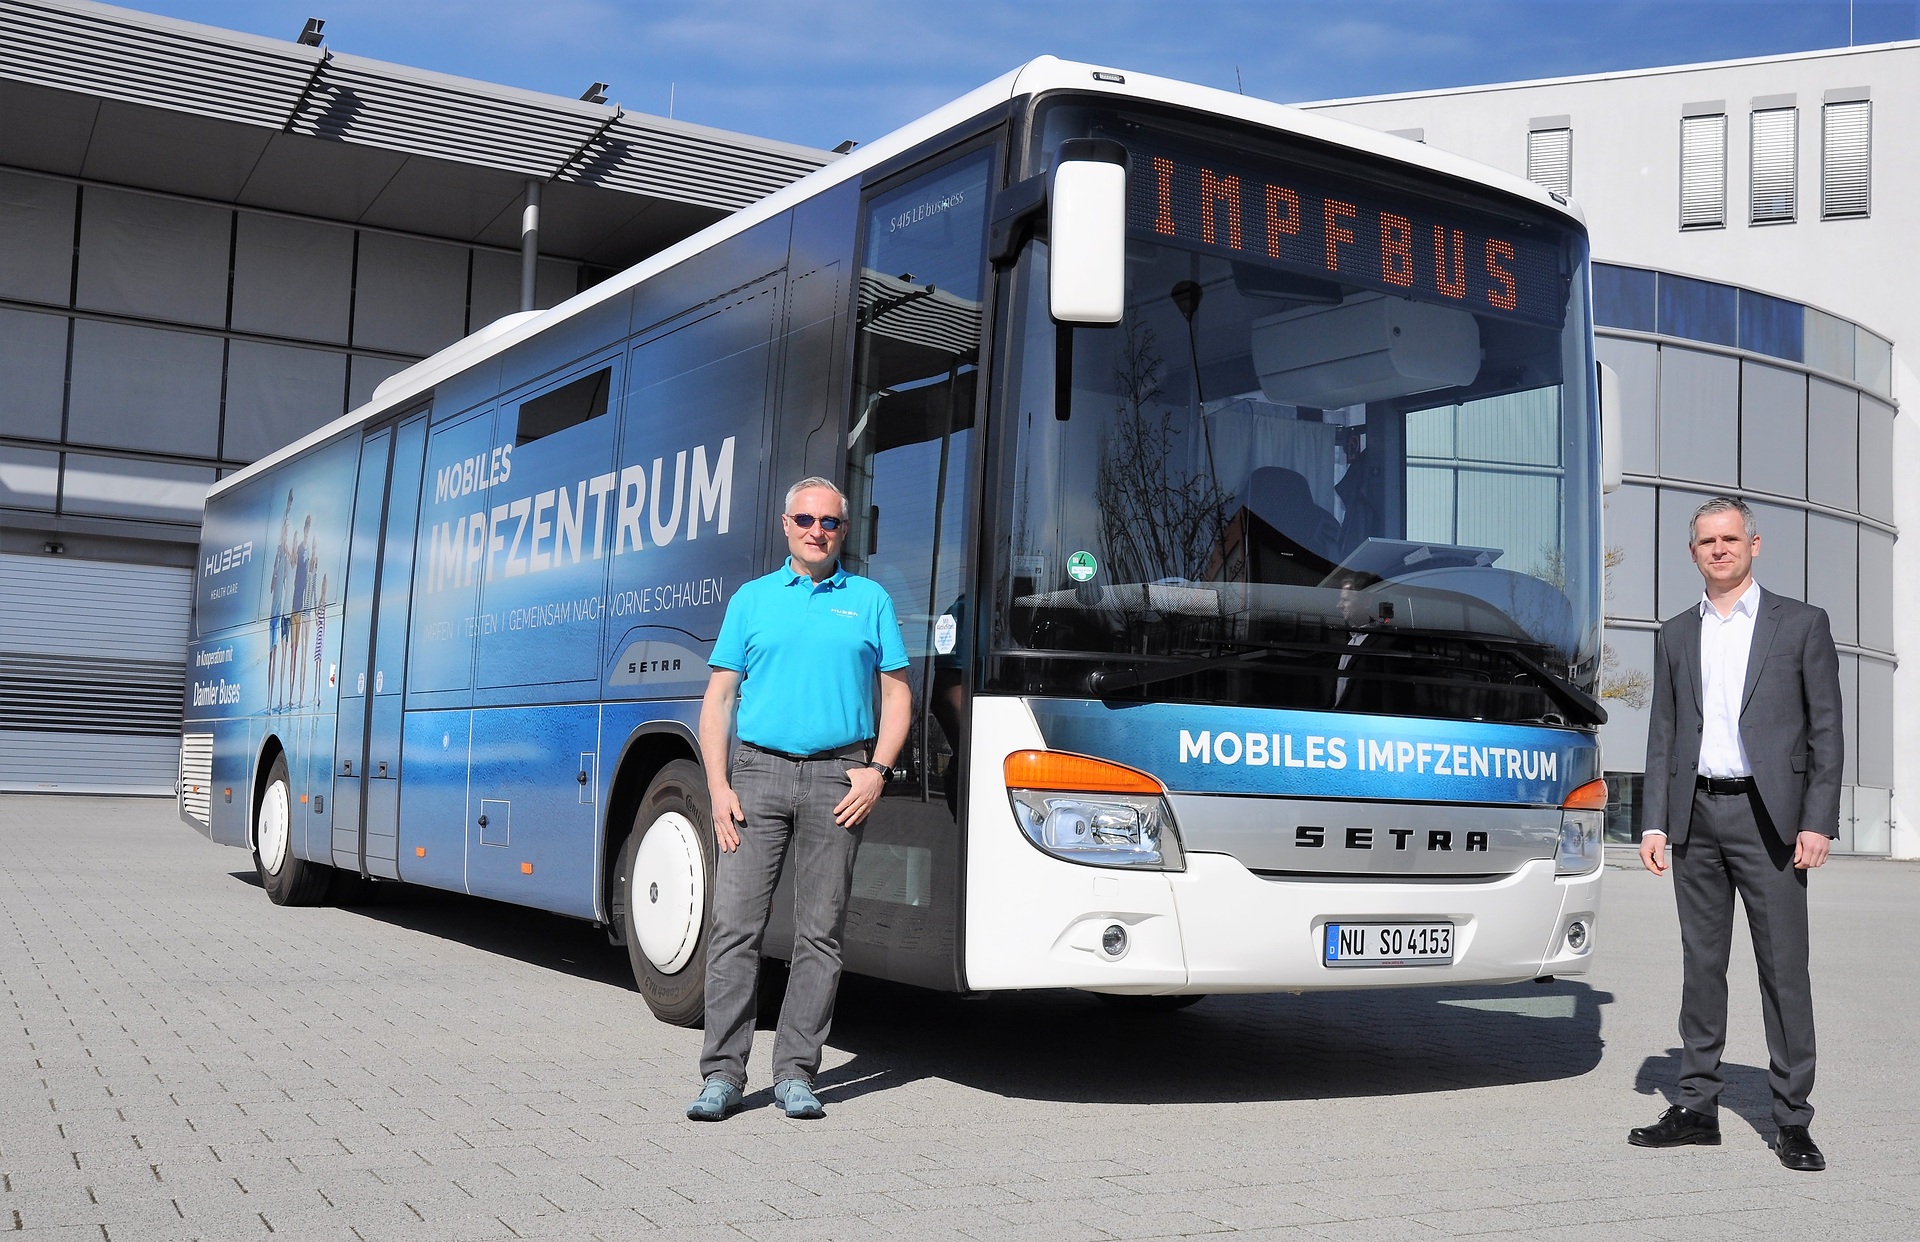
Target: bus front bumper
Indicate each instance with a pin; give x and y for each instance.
(1218, 927)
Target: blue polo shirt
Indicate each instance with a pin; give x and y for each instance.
(807, 654)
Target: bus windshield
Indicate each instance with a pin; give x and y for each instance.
(1340, 453)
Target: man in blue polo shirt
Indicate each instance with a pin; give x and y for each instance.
(798, 654)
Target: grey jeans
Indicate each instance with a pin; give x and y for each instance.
(789, 808)
(1729, 850)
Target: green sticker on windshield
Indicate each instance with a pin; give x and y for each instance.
(1081, 567)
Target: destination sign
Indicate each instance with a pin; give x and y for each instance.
(1306, 223)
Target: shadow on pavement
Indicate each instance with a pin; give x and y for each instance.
(1069, 1046)
(535, 937)
(1747, 1093)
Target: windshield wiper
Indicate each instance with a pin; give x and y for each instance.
(1578, 703)
(1583, 706)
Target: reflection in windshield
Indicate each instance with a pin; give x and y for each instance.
(1257, 455)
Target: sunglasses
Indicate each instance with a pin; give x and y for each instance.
(805, 521)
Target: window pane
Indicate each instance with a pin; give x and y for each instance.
(1846, 150)
(1776, 162)
(1876, 589)
(1630, 553)
(155, 257)
(33, 373)
(1782, 565)
(1849, 721)
(29, 479)
(1773, 430)
(1873, 813)
(1833, 453)
(292, 278)
(1829, 343)
(1772, 326)
(36, 238)
(1626, 686)
(1873, 362)
(1833, 553)
(1703, 172)
(1876, 459)
(1698, 310)
(116, 487)
(145, 388)
(1623, 297)
(278, 393)
(1637, 364)
(1679, 581)
(1699, 416)
(1550, 160)
(1876, 724)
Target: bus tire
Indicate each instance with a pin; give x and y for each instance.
(666, 883)
(289, 880)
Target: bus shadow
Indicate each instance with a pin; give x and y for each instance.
(1072, 1047)
(535, 937)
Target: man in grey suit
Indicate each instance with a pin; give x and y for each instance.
(1743, 780)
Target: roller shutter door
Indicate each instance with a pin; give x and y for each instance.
(92, 661)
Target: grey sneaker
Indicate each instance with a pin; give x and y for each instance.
(718, 1100)
(794, 1095)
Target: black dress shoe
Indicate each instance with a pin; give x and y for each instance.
(1797, 1150)
(1680, 1127)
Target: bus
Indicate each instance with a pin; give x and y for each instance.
(1236, 474)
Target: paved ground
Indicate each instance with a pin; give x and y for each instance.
(180, 1059)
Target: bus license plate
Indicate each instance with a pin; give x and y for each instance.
(1389, 944)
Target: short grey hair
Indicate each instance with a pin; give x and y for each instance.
(1723, 504)
(814, 481)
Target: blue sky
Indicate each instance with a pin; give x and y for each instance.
(816, 73)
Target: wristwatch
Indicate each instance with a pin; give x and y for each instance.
(884, 769)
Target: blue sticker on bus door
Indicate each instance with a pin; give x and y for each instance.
(1196, 748)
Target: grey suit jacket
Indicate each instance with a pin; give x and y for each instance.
(1789, 720)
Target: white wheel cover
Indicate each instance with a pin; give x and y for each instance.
(275, 821)
(668, 896)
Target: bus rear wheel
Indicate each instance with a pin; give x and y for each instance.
(666, 882)
(289, 880)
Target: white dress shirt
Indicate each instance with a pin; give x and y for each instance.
(1724, 645)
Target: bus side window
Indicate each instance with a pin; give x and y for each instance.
(566, 406)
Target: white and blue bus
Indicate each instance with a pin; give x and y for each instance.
(1236, 474)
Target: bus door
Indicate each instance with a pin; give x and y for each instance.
(909, 476)
(373, 651)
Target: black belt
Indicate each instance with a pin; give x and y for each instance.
(1724, 784)
(852, 750)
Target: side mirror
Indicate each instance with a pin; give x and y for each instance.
(1087, 232)
(1611, 453)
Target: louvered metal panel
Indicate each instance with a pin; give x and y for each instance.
(1773, 194)
(1703, 171)
(932, 319)
(134, 58)
(88, 763)
(90, 694)
(196, 776)
(1846, 158)
(687, 166)
(383, 105)
(1550, 160)
(90, 609)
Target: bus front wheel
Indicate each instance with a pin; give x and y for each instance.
(289, 880)
(666, 879)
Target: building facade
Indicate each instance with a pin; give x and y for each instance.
(212, 244)
(1752, 226)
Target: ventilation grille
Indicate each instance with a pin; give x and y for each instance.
(1703, 172)
(1776, 165)
(196, 776)
(72, 694)
(1550, 160)
(1846, 142)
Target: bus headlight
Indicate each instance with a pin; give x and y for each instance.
(1583, 821)
(1090, 811)
(1580, 850)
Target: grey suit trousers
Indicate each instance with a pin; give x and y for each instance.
(1730, 849)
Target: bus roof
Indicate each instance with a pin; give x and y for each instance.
(1046, 73)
